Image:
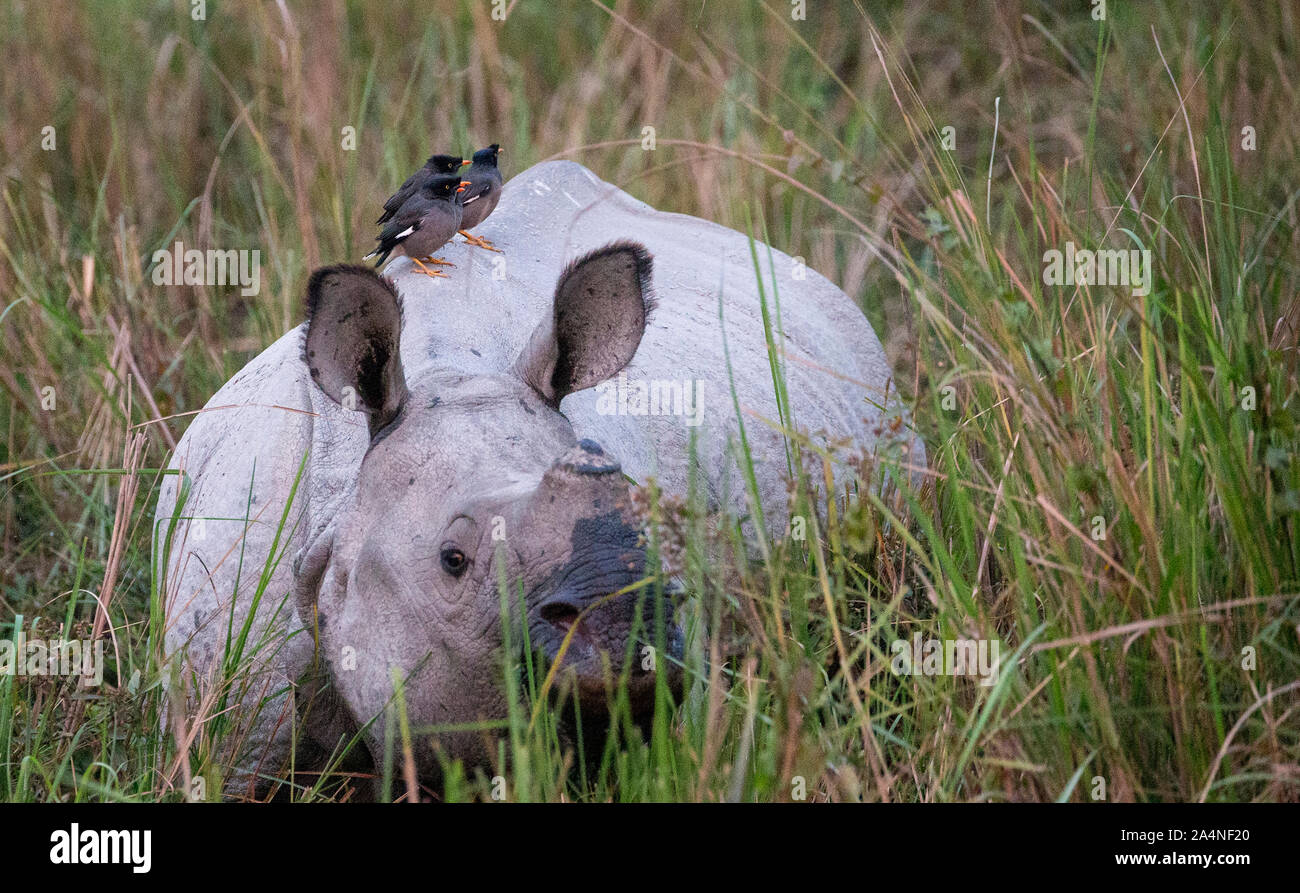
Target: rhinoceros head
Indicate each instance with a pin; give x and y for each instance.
(473, 483)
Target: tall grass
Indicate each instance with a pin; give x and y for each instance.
(1113, 479)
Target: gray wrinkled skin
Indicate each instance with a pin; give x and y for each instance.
(476, 444)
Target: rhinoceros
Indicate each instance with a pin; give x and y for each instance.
(349, 505)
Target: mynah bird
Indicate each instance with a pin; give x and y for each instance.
(424, 223)
(435, 166)
(483, 193)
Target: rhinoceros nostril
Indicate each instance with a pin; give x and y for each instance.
(559, 614)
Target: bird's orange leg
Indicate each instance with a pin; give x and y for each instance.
(479, 241)
(419, 265)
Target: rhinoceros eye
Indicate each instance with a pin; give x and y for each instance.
(454, 561)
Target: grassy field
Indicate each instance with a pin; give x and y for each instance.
(1114, 481)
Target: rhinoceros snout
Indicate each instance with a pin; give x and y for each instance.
(603, 632)
(596, 612)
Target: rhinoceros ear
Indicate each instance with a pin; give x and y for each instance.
(354, 330)
(602, 302)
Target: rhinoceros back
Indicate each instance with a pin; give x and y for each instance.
(706, 334)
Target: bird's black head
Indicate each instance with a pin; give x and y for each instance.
(444, 164)
(445, 187)
(487, 157)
